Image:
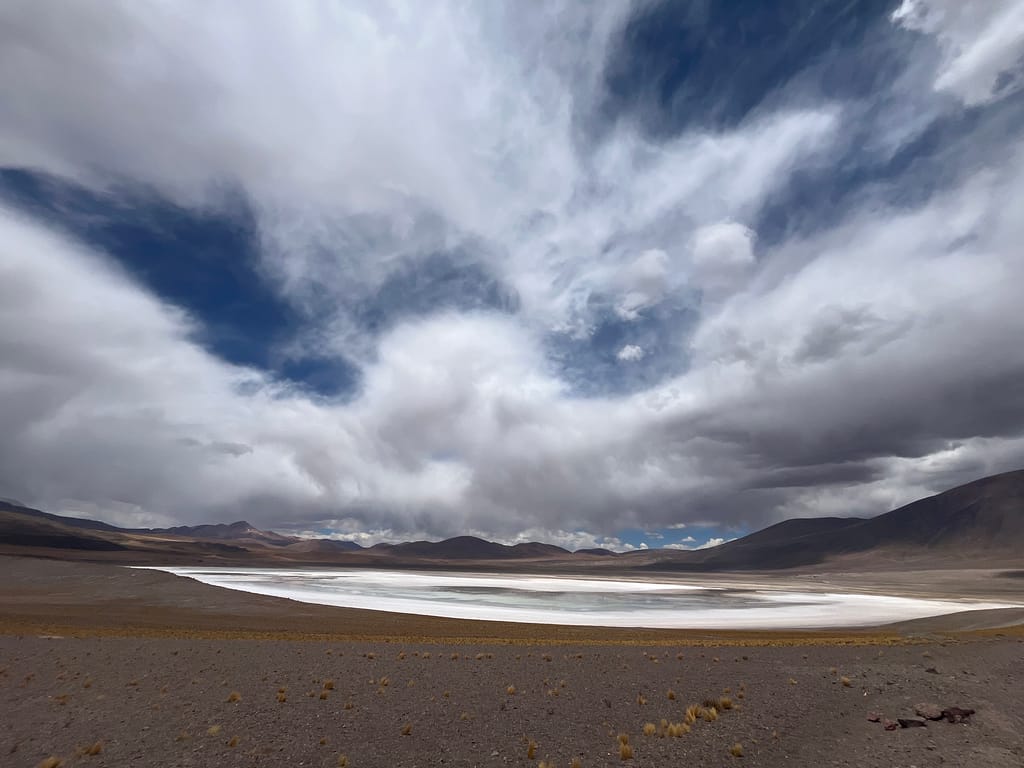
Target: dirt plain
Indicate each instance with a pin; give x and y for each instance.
(144, 665)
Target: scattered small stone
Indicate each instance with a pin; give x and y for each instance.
(911, 722)
(932, 671)
(874, 717)
(956, 714)
(929, 711)
(890, 725)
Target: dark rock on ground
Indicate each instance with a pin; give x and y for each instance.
(911, 722)
(956, 714)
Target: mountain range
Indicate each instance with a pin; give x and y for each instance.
(980, 524)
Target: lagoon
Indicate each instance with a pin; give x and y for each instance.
(579, 601)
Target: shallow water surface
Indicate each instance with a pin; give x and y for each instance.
(577, 601)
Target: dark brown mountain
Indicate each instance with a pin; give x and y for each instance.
(978, 524)
(972, 524)
(238, 531)
(470, 548)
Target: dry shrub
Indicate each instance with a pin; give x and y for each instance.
(328, 685)
(671, 695)
(213, 730)
(724, 702)
(51, 762)
(625, 752)
(407, 729)
(324, 695)
(233, 742)
(234, 697)
(845, 681)
(511, 690)
(342, 761)
(736, 750)
(650, 729)
(531, 750)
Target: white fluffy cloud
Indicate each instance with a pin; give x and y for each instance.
(840, 369)
(630, 353)
(982, 43)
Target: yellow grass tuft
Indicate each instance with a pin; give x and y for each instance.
(464, 716)
(234, 697)
(407, 729)
(625, 752)
(213, 730)
(792, 681)
(51, 762)
(233, 742)
(692, 713)
(671, 695)
(324, 695)
(281, 698)
(724, 702)
(323, 741)
(710, 714)
(650, 729)
(511, 690)
(576, 763)
(640, 699)
(531, 750)
(349, 705)
(845, 681)
(455, 656)
(623, 738)
(736, 750)
(328, 685)
(93, 749)
(342, 761)
(384, 682)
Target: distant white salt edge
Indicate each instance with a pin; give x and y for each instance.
(577, 601)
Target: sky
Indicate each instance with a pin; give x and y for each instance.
(596, 274)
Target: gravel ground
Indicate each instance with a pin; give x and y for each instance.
(165, 702)
(140, 667)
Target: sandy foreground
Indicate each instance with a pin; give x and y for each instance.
(147, 667)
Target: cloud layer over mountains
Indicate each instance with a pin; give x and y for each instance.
(549, 274)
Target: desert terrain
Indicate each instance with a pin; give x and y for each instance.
(146, 668)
